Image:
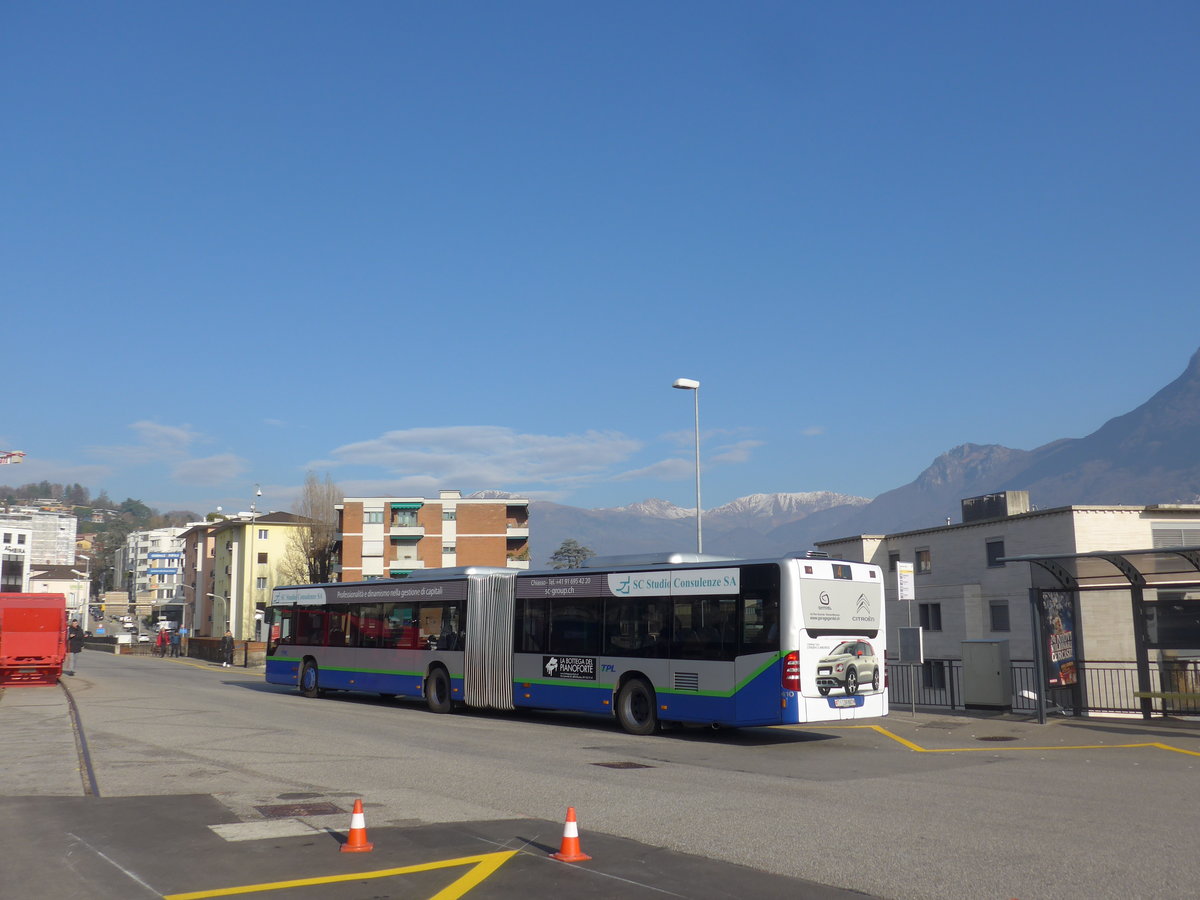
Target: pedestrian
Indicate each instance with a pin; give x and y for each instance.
(162, 642)
(227, 649)
(74, 645)
(175, 639)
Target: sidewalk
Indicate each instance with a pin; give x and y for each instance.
(37, 743)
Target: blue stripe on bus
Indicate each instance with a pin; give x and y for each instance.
(756, 703)
(404, 684)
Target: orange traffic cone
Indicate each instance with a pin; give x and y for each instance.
(357, 841)
(570, 852)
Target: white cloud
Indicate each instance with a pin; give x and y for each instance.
(734, 453)
(813, 430)
(156, 443)
(209, 471)
(665, 470)
(469, 457)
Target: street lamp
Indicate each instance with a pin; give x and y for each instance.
(690, 384)
(251, 580)
(87, 599)
(224, 609)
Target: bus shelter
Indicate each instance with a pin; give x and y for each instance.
(1163, 585)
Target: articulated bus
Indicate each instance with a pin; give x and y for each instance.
(684, 638)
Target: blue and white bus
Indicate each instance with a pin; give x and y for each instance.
(675, 638)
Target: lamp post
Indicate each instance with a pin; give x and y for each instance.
(221, 619)
(87, 598)
(183, 625)
(690, 384)
(251, 580)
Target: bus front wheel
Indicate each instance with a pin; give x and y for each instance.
(437, 691)
(309, 682)
(635, 707)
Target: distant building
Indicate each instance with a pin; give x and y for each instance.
(68, 581)
(391, 537)
(15, 542)
(52, 540)
(229, 567)
(965, 592)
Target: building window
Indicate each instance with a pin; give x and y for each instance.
(374, 517)
(999, 615)
(931, 616)
(262, 559)
(449, 515)
(995, 550)
(893, 558)
(20, 539)
(262, 534)
(449, 548)
(260, 584)
(924, 562)
(404, 518)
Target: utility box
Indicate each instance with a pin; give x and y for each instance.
(986, 675)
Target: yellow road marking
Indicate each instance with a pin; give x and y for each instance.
(482, 867)
(917, 748)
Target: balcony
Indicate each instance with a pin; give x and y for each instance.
(407, 532)
(405, 565)
(516, 564)
(517, 531)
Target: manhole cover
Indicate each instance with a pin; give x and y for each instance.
(623, 765)
(293, 810)
(996, 737)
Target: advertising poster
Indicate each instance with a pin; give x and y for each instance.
(1058, 614)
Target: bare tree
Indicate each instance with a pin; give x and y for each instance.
(311, 548)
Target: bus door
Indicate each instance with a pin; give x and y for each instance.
(758, 663)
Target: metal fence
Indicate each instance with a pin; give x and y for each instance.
(1109, 686)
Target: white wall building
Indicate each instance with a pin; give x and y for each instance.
(15, 541)
(964, 592)
(154, 561)
(53, 534)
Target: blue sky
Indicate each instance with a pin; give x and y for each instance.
(470, 245)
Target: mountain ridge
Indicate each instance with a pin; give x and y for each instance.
(1150, 454)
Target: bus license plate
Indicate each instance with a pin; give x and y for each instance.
(843, 702)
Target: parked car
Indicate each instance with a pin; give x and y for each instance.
(848, 665)
(143, 638)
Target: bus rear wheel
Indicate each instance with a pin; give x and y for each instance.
(437, 691)
(309, 680)
(635, 707)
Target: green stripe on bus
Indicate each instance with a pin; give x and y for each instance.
(416, 674)
(571, 682)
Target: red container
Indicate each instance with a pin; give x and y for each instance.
(33, 638)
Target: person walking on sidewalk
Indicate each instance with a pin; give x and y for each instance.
(227, 649)
(74, 645)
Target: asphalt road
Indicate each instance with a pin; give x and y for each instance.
(927, 806)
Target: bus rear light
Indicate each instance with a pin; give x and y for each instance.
(791, 671)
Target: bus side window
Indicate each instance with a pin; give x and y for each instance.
(760, 624)
(575, 626)
(529, 635)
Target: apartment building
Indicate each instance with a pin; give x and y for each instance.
(391, 537)
(966, 591)
(229, 567)
(52, 532)
(150, 564)
(15, 542)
